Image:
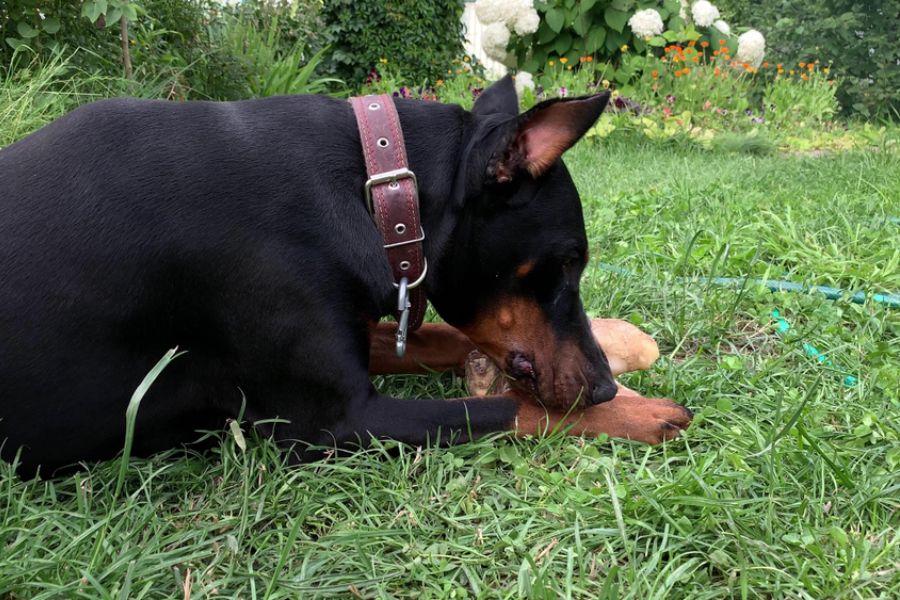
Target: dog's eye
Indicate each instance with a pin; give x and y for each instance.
(569, 261)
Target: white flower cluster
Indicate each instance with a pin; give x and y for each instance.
(646, 23)
(508, 15)
(494, 40)
(524, 80)
(527, 22)
(704, 13)
(751, 48)
(722, 26)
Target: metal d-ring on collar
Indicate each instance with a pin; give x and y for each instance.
(394, 210)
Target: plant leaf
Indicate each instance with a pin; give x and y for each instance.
(615, 18)
(26, 30)
(50, 25)
(555, 19)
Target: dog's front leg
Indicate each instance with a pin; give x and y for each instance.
(629, 416)
(440, 347)
(432, 347)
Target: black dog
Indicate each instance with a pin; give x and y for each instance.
(239, 233)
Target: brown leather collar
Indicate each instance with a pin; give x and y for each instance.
(393, 197)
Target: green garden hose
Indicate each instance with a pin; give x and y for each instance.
(778, 285)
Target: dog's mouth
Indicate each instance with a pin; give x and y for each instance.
(544, 381)
(525, 376)
(521, 368)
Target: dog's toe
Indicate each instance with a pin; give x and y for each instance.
(670, 419)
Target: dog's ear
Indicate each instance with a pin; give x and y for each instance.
(500, 98)
(543, 134)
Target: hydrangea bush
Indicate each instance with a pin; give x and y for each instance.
(530, 36)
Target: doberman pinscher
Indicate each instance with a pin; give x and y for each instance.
(239, 232)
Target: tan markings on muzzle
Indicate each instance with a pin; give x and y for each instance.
(517, 325)
(524, 269)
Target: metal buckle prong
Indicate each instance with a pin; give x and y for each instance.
(421, 238)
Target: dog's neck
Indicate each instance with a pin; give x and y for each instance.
(436, 135)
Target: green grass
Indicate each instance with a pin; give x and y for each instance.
(785, 487)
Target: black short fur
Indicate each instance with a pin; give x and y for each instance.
(238, 232)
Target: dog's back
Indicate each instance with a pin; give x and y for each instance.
(130, 226)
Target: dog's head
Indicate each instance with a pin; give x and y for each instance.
(510, 279)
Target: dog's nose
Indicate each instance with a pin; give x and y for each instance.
(603, 392)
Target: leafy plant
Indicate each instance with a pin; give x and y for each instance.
(805, 96)
(419, 37)
(858, 39)
(271, 70)
(29, 24)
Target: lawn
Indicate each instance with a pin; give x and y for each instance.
(786, 485)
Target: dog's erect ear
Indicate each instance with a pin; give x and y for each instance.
(544, 133)
(499, 98)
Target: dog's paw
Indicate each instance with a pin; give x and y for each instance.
(634, 417)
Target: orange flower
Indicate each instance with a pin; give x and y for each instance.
(677, 73)
(780, 66)
(802, 65)
(717, 71)
(654, 73)
(563, 60)
(704, 44)
(765, 65)
(804, 77)
(692, 43)
(590, 59)
(686, 71)
(722, 42)
(696, 59)
(810, 66)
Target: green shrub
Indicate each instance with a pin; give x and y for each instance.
(270, 68)
(169, 39)
(587, 28)
(296, 22)
(418, 37)
(859, 39)
(42, 27)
